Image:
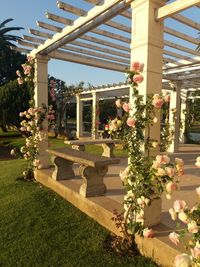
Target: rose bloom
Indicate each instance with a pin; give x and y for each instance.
(124, 175)
(174, 238)
(171, 187)
(183, 260)
(170, 171)
(126, 107)
(20, 81)
(138, 78)
(131, 122)
(18, 73)
(154, 144)
(198, 162)
(179, 162)
(195, 252)
(155, 120)
(179, 205)
(198, 191)
(12, 152)
(167, 98)
(137, 66)
(21, 114)
(157, 103)
(183, 217)
(173, 214)
(148, 233)
(180, 172)
(193, 227)
(118, 103)
(161, 172)
(162, 159)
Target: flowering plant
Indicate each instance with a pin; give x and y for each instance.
(190, 217)
(146, 177)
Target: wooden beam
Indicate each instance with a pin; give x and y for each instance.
(41, 34)
(175, 7)
(98, 48)
(27, 44)
(33, 39)
(186, 21)
(112, 35)
(48, 26)
(181, 35)
(95, 54)
(21, 49)
(72, 57)
(84, 24)
(176, 55)
(182, 48)
(104, 42)
(59, 19)
(71, 9)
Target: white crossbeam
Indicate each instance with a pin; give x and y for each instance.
(175, 7)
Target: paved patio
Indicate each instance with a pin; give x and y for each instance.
(101, 208)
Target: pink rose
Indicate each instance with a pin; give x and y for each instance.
(126, 107)
(18, 73)
(148, 233)
(118, 103)
(167, 98)
(21, 114)
(183, 260)
(179, 205)
(195, 252)
(131, 122)
(161, 172)
(162, 159)
(20, 81)
(174, 238)
(198, 162)
(29, 58)
(170, 171)
(138, 78)
(157, 102)
(183, 217)
(179, 162)
(193, 227)
(180, 172)
(171, 187)
(137, 66)
(198, 191)
(173, 214)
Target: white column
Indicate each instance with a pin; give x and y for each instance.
(183, 111)
(40, 98)
(95, 115)
(174, 117)
(146, 47)
(79, 117)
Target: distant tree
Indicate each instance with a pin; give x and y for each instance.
(13, 100)
(10, 59)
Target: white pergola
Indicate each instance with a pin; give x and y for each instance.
(112, 34)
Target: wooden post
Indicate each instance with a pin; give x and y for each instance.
(79, 116)
(40, 98)
(174, 117)
(95, 115)
(147, 48)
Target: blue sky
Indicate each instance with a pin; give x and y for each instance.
(26, 12)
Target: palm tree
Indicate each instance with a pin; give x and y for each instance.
(6, 39)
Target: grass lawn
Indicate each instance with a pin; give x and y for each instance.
(39, 228)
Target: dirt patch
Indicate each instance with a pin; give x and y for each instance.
(5, 153)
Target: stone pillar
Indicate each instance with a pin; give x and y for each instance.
(95, 115)
(174, 117)
(79, 116)
(40, 98)
(147, 48)
(183, 111)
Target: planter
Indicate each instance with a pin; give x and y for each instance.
(152, 213)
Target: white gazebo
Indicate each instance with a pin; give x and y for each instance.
(111, 34)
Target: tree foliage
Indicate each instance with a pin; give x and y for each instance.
(13, 100)
(10, 59)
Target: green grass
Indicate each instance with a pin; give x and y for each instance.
(38, 228)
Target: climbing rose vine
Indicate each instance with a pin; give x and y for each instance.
(190, 236)
(146, 177)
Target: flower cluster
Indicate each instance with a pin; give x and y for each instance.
(190, 217)
(146, 177)
(28, 71)
(32, 127)
(52, 90)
